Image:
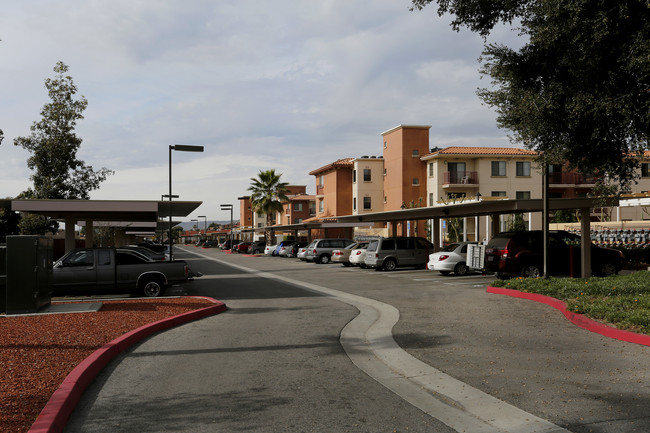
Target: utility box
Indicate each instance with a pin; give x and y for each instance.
(28, 273)
(3, 278)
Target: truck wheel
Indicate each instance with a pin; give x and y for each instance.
(390, 265)
(152, 288)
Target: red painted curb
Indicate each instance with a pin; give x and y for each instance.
(56, 412)
(577, 319)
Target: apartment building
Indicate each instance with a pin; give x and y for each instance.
(333, 195)
(458, 173)
(405, 174)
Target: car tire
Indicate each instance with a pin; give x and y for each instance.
(445, 273)
(461, 269)
(362, 265)
(152, 288)
(390, 265)
(324, 259)
(347, 265)
(531, 271)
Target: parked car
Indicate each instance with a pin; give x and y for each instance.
(270, 249)
(257, 247)
(210, 244)
(153, 246)
(511, 254)
(147, 252)
(452, 258)
(343, 255)
(241, 247)
(321, 250)
(91, 270)
(283, 248)
(227, 244)
(302, 252)
(358, 255)
(295, 249)
(391, 253)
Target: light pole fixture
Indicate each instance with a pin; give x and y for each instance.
(205, 226)
(198, 237)
(180, 148)
(227, 207)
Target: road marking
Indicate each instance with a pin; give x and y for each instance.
(368, 341)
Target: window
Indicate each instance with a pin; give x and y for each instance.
(367, 203)
(354, 203)
(297, 207)
(498, 194)
(385, 144)
(103, 257)
(321, 180)
(354, 176)
(321, 206)
(126, 258)
(416, 153)
(385, 172)
(366, 175)
(431, 169)
(498, 168)
(523, 195)
(645, 169)
(416, 181)
(523, 168)
(80, 258)
(430, 199)
(297, 221)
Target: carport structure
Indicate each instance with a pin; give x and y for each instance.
(493, 209)
(134, 216)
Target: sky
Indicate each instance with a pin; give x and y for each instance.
(288, 85)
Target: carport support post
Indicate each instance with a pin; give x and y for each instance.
(585, 236)
(90, 234)
(435, 234)
(69, 233)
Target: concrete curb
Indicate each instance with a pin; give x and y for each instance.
(577, 319)
(59, 407)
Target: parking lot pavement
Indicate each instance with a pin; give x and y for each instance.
(519, 351)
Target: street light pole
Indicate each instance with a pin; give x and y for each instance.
(226, 207)
(205, 226)
(180, 148)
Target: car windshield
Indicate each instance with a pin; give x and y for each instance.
(372, 245)
(449, 248)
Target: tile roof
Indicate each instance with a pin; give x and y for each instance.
(344, 162)
(459, 150)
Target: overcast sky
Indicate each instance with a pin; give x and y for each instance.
(288, 84)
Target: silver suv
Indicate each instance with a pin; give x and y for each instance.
(389, 253)
(320, 250)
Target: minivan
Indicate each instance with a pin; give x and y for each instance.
(320, 250)
(390, 253)
(512, 254)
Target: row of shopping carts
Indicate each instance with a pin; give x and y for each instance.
(626, 238)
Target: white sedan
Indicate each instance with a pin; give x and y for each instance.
(269, 249)
(358, 255)
(452, 258)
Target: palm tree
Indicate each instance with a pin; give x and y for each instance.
(267, 196)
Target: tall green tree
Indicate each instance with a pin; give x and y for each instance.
(53, 144)
(267, 195)
(578, 90)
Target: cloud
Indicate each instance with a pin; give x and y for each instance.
(290, 85)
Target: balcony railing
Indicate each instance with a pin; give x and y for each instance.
(461, 177)
(570, 179)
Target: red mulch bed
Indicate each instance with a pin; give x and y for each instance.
(38, 352)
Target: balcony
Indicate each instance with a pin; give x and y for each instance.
(460, 178)
(570, 179)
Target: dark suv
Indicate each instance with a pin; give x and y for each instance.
(511, 254)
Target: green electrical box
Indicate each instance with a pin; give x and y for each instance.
(28, 273)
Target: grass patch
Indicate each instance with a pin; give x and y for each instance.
(621, 300)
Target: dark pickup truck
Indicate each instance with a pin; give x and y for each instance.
(109, 269)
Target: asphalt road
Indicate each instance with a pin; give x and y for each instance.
(275, 362)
